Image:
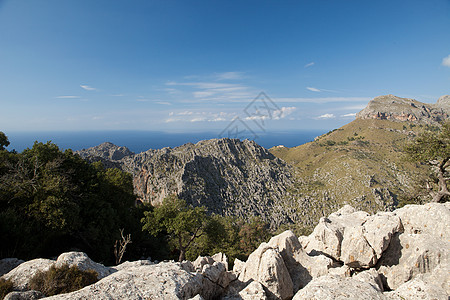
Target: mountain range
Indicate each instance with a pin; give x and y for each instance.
(361, 164)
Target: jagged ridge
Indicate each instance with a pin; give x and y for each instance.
(229, 176)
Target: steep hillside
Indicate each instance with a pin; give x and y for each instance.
(362, 163)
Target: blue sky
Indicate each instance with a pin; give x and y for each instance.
(185, 66)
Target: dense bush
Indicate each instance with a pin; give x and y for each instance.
(53, 201)
(6, 286)
(64, 279)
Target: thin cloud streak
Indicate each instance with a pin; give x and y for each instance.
(312, 89)
(310, 64)
(323, 100)
(87, 87)
(68, 97)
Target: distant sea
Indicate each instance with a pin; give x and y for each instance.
(139, 141)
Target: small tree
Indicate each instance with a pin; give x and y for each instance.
(4, 142)
(121, 246)
(434, 149)
(181, 222)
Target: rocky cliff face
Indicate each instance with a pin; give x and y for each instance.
(229, 176)
(394, 108)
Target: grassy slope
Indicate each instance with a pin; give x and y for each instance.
(360, 164)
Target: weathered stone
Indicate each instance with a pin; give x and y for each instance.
(343, 271)
(21, 275)
(132, 264)
(266, 266)
(411, 255)
(83, 262)
(328, 234)
(355, 250)
(353, 237)
(7, 264)
(222, 258)
(202, 261)
(379, 229)
(422, 248)
(416, 289)
(160, 281)
(301, 267)
(336, 287)
(372, 277)
(253, 291)
(431, 218)
(27, 295)
(238, 266)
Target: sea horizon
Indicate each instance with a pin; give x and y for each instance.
(140, 141)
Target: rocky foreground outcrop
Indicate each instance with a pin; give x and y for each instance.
(350, 255)
(390, 107)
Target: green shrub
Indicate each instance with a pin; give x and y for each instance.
(6, 286)
(64, 279)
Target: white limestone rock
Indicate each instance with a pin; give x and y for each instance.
(159, 281)
(83, 262)
(338, 288)
(266, 266)
(416, 289)
(22, 274)
(302, 268)
(253, 291)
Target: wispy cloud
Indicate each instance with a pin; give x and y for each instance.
(312, 89)
(212, 91)
(163, 103)
(446, 61)
(68, 97)
(323, 100)
(229, 76)
(348, 115)
(87, 87)
(326, 116)
(310, 64)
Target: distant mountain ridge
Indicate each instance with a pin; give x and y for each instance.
(393, 108)
(360, 164)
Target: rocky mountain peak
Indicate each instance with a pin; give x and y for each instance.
(390, 107)
(444, 101)
(228, 176)
(107, 151)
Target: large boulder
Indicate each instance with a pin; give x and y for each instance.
(160, 281)
(353, 237)
(328, 234)
(336, 287)
(416, 289)
(266, 265)
(7, 264)
(22, 274)
(84, 263)
(253, 291)
(423, 248)
(302, 268)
